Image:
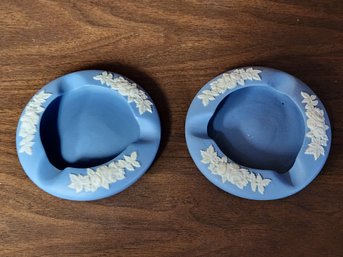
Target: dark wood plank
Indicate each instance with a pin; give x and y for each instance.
(171, 48)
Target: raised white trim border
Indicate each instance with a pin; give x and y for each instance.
(29, 121)
(126, 88)
(104, 175)
(228, 80)
(316, 125)
(232, 172)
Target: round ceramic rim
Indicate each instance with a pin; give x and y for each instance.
(281, 185)
(57, 182)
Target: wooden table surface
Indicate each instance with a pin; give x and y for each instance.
(171, 48)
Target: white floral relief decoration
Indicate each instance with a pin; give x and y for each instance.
(127, 88)
(104, 175)
(227, 81)
(29, 121)
(232, 172)
(316, 125)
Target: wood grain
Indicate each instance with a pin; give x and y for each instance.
(171, 48)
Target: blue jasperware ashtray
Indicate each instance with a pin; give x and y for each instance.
(88, 135)
(258, 133)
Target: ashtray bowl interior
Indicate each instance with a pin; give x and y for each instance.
(258, 127)
(87, 127)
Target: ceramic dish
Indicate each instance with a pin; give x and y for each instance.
(258, 133)
(88, 135)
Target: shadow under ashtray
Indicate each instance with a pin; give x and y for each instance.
(86, 127)
(259, 128)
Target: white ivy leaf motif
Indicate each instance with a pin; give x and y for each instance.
(28, 141)
(132, 159)
(228, 80)
(119, 174)
(205, 99)
(105, 78)
(143, 106)
(29, 121)
(209, 156)
(104, 175)
(232, 172)
(125, 165)
(309, 100)
(128, 89)
(316, 124)
(259, 183)
(315, 149)
(26, 149)
(78, 182)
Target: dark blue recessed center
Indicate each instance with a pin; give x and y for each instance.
(258, 127)
(87, 127)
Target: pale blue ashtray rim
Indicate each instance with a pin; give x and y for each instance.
(217, 114)
(116, 105)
